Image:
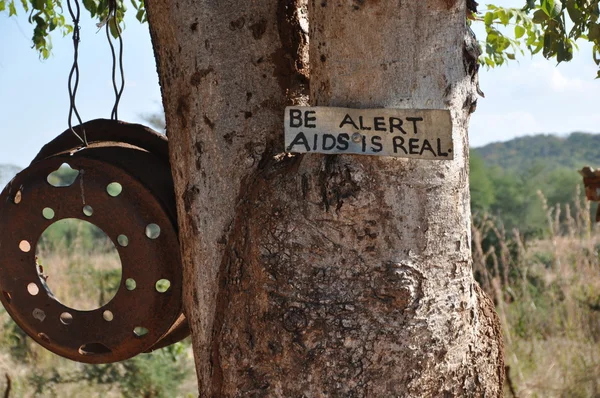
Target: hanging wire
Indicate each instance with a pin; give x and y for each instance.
(118, 89)
(74, 74)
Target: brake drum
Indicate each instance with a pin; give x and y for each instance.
(139, 216)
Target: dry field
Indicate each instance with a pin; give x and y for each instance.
(546, 290)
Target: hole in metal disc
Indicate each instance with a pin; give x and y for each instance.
(140, 331)
(78, 264)
(44, 337)
(123, 240)
(130, 284)
(163, 285)
(87, 210)
(66, 318)
(18, 197)
(25, 246)
(33, 289)
(152, 231)
(94, 349)
(7, 297)
(39, 314)
(114, 189)
(64, 176)
(48, 213)
(108, 316)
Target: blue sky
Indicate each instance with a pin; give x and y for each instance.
(34, 101)
(527, 97)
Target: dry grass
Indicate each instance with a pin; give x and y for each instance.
(547, 294)
(82, 279)
(83, 271)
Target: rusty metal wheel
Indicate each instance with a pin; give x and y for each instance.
(141, 222)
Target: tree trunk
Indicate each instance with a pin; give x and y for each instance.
(322, 275)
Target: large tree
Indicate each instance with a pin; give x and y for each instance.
(323, 275)
(329, 275)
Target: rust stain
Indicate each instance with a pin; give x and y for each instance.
(137, 158)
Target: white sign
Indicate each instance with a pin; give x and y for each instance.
(420, 134)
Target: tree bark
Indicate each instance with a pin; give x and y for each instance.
(315, 275)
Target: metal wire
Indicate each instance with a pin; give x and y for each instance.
(112, 18)
(74, 74)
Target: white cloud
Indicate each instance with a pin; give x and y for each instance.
(561, 80)
(537, 96)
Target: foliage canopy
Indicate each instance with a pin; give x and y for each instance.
(506, 178)
(551, 27)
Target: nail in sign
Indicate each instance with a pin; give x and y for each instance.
(406, 133)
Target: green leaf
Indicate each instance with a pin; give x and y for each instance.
(489, 18)
(594, 32)
(539, 16)
(102, 7)
(140, 15)
(11, 9)
(552, 8)
(550, 43)
(519, 31)
(596, 55)
(91, 6)
(574, 12)
(37, 4)
(503, 15)
(2, 5)
(113, 28)
(538, 47)
(564, 51)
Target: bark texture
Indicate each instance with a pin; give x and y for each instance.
(316, 276)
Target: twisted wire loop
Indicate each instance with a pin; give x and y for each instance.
(74, 74)
(118, 88)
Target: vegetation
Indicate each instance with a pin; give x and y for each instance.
(83, 271)
(571, 152)
(549, 27)
(537, 255)
(505, 177)
(547, 295)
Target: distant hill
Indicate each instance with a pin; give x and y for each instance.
(7, 172)
(573, 152)
(506, 177)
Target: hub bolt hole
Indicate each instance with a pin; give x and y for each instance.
(25, 246)
(33, 289)
(152, 231)
(163, 285)
(48, 213)
(108, 316)
(114, 189)
(66, 318)
(130, 284)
